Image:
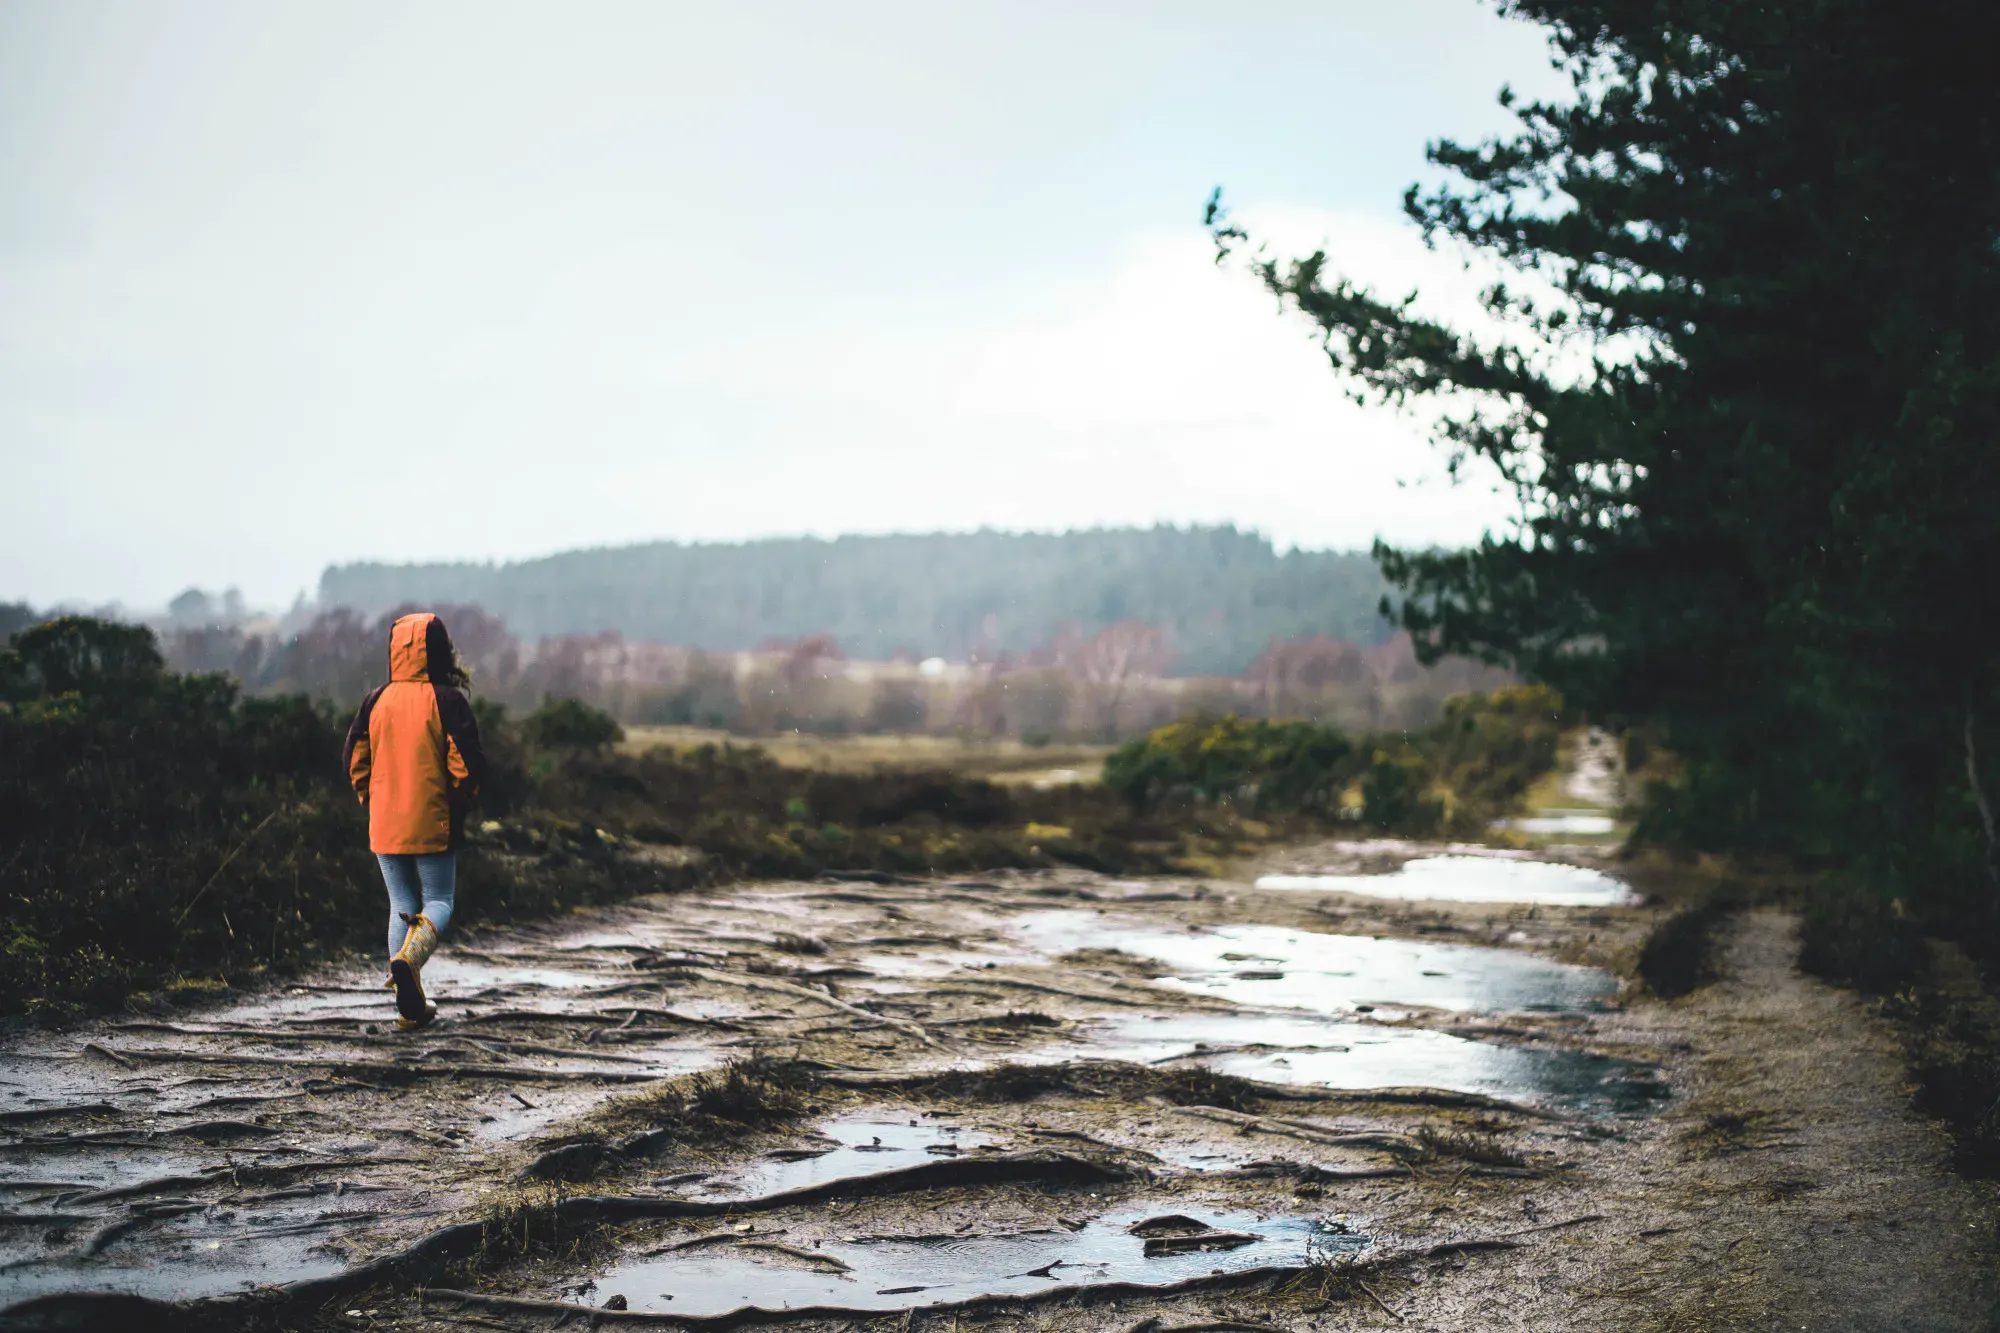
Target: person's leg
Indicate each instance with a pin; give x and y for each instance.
(406, 894)
(439, 874)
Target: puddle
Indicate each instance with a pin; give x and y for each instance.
(1582, 823)
(850, 1147)
(886, 1274)
(1356, 1056)
(176, 1271)
(1274, 967)
(1473, 879)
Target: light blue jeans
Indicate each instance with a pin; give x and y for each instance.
(424, 884)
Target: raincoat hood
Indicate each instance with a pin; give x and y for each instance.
(414, 641)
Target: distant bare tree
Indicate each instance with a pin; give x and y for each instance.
(809, 660)
(1394, 660)
(1110, 661)
(1294, 674)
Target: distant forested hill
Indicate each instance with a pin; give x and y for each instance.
(1223, 593)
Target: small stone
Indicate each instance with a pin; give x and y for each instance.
(614, 1303)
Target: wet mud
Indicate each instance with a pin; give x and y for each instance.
(1071, 1098)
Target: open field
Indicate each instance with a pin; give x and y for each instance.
(1002, 760)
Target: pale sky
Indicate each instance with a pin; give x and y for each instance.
(285, 284)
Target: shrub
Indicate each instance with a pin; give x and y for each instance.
(570, 724)
(1269, 766)
(1488, 749)
(1856, 939)
(1394, 793)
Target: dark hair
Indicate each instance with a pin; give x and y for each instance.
(441, 657)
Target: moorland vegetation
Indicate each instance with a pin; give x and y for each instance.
(168, 835)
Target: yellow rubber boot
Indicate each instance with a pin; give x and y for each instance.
(389, 979)
(406, 972)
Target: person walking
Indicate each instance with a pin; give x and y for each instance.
(413, 756)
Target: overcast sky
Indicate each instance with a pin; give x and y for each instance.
(283, 284)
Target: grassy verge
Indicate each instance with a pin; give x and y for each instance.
(1941, 1000)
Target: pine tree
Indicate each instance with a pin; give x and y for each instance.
(1767, 514)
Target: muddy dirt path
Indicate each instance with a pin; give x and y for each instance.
(1047, 1099)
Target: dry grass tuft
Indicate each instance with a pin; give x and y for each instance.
(526, 1222)
(1465, 1145)
(1724, 1133)
(753, 1092)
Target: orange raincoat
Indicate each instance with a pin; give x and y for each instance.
(413, 750)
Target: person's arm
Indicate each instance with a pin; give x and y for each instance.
(357, 755)
(464, 760)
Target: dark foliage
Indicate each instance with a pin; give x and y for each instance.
(1763, 514)
(1856, 939)
(74, 653)
(1955, 1063)
(1395, 792)
(567, 724)
(15, 617)
(155, 822)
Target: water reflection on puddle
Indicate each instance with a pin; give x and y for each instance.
(183, 1268)
(1275, 967)
(895, 1274)
(1582, 823)
(858, 1147)
(1472, 879)
(1353, 1056)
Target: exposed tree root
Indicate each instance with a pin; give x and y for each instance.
(943, 1173)
(54, 1112)
(916, 1030)
(393, 1069)
(1401, 1144)
(1153, 1001)
(1308, 1173)
(378, 1039)
(236, 1175)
